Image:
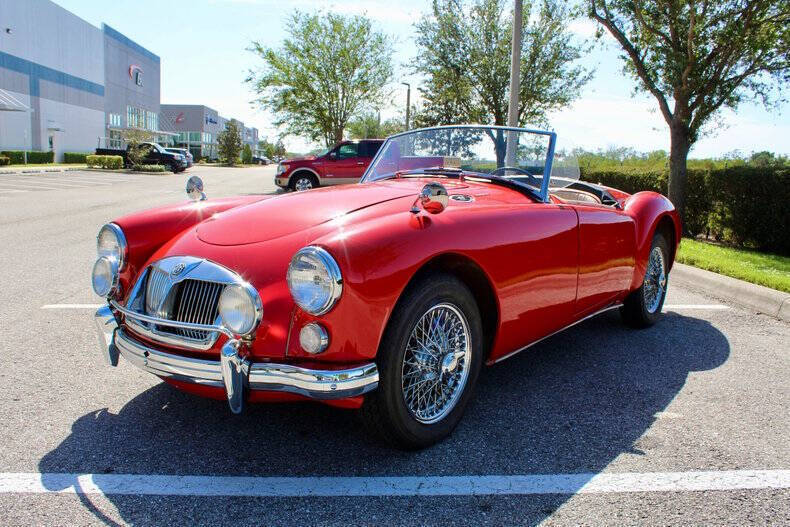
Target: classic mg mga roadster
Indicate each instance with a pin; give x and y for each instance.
(461, 246)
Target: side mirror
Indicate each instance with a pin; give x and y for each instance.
(195, 189)
(333, 156)
(433, 198)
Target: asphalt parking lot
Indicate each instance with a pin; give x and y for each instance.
(683, 423)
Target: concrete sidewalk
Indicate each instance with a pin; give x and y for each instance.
(22, 169)
(751, 296)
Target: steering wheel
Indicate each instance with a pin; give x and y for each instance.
(532, 179)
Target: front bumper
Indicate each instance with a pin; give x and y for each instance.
(236, 374)
(281, 182)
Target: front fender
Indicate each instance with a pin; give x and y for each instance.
(649, 209)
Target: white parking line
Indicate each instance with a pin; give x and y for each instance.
(696, 306)
(71, 306)
(604, 483)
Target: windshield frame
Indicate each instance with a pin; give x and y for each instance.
(544, 190)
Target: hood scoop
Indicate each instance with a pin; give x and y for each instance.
(291, 213)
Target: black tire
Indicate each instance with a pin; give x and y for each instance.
(294, 183)
(174, 168)
(640, 309)
(385, 412)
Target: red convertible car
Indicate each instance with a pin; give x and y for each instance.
(461, 246)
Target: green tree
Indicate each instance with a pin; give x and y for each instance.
(697, 56)
(267, 148)
(464, 54)
(369, 126)
(229, 143)
(134, 137)
(328, 69)
(246, 154)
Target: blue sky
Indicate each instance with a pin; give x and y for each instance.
(202, 44)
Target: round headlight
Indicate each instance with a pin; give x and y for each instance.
(240, 308)
(105, 276)
(111, 243)
(314, 280)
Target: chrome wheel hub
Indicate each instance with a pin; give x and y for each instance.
(303, 184)
(436, 363)
(655, 280)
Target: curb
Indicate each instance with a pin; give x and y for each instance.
(751, 296)
(41, 170)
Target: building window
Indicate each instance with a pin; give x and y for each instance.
(139, 118)
(115, 120)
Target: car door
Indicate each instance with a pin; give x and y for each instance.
(367, 151)
(607, 245)
(343, 165)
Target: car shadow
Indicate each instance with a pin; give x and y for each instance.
(570, 404)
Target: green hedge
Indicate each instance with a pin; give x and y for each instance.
(112, 162)
(17, 157)
(4, 160)
(149, 168)
(75, 157)
(742, 205)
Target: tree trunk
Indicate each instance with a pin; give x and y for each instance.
(678, 154)
(338, 134)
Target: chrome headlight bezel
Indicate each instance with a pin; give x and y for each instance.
(250, 294)
(121, 251)
(334, 283)
(281, 169)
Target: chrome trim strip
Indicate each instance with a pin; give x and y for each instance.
(166, 322)
(106, 326)
(241, 374)
(613, 306)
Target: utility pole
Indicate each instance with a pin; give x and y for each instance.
(408, 102)
(515, 84)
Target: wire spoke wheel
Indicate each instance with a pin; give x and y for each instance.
(436, 363)
(655, 280)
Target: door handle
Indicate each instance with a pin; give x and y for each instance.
(360, 162)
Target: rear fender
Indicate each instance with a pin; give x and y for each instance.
(650, 210)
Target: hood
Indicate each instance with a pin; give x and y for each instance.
(291, 213)
(297, 159)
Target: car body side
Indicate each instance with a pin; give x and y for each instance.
(533, 267)
(328, 170)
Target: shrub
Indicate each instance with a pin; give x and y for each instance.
(5, 160)
(74, 157)
(246, 154)
(17, 157)
(111, 162)
(149, 168)
(742, 205)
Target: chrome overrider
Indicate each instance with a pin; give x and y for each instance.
(238, 375)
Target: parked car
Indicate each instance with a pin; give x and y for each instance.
(387, 296)
(153, 154)
(342, 164)
(190, 159)
(261, 160)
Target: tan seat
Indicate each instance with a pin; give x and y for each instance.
(571, 195)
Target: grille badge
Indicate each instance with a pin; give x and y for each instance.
(178, 269)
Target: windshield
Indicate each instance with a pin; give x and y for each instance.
(520, 155)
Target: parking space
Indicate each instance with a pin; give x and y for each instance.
(682, 423)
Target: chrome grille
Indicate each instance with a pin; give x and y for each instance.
(156, 290)
(196, 303)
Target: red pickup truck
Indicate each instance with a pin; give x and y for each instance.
(344, 163)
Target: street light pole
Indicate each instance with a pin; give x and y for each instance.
(408, 102)
(515, 83)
